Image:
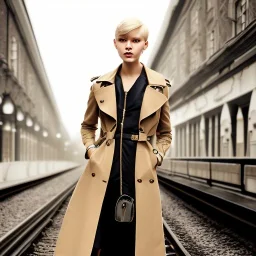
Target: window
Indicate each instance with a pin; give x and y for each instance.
(210, 43)
(14, 56)
(241, 14)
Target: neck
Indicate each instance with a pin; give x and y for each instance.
(131, 69)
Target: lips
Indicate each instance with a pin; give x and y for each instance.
(128, 54)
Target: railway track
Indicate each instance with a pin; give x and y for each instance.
(244, 217)
(202, 226)
(9, 190)
(20, 238)
(172, 244)
(17, 240)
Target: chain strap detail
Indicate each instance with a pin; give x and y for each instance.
(121, 145)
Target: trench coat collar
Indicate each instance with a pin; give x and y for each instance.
(152, 100)
(154, 78)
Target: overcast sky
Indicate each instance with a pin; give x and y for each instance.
(75, 39)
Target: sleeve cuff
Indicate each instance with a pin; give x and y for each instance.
(159, 158)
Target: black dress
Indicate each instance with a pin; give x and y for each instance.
(113, 237)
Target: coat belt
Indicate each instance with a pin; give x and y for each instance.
(136, 137)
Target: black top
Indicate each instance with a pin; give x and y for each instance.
(131, 126)
(133, 102)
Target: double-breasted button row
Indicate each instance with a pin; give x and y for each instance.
(108, 142)
(140, 180)
(101, 101)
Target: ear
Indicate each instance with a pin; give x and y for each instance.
(114, 42)
(146, 45)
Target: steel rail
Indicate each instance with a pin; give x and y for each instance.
(22, 185)
(17, 240)
(176, 246)
(208, 202)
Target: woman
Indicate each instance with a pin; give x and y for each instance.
(132, 104)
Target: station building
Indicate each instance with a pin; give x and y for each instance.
(30, 124)
(208, 51)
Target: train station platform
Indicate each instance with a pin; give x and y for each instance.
(20, 172)
(240, 204)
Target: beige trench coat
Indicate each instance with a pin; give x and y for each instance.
(78, 230)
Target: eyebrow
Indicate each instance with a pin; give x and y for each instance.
(137, 37)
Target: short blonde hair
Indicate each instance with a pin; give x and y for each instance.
(130, 24)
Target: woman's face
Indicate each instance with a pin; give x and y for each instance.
(130, 46)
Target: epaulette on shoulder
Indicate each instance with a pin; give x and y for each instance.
(168, 82)
(94, 78)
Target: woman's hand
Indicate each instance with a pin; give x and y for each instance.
(89, 153)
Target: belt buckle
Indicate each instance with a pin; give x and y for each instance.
(134, 137)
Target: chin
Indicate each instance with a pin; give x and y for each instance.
(131, 60)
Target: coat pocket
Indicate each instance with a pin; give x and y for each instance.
(153, 156)
(96, 151)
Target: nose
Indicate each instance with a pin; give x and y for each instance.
(128, 45)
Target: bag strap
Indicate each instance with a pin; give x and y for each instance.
(121, 144)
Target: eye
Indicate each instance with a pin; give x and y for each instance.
(136, 40)
(121, 40)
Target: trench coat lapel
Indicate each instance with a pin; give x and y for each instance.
(107, 94)
(152, 100)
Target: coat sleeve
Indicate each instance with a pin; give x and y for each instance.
(164, 132)
(90, 122)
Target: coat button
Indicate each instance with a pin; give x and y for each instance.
(108, 142)
(93, 174)
(155, 151)
(151, 180)
(139, 180)
(101, 101)
(141, 130)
